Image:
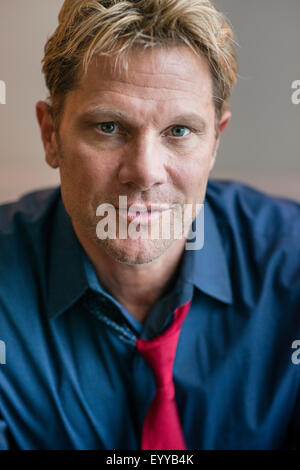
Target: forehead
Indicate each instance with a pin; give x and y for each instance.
(157, 78)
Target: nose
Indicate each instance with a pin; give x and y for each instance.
(144, 163)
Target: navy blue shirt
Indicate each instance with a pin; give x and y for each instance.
(70, 375)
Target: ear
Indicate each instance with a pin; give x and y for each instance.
(223, 123)
(45, 120)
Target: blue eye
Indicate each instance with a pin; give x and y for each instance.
(108, 127)
(180, 131)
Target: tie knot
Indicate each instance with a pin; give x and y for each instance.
(159, 352)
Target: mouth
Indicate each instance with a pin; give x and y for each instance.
(142, 216)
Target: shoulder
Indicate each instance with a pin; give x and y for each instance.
(260, 235)
(246, 209)
(28, 209)
(24, 232)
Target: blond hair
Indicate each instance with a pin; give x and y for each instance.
(115, 27)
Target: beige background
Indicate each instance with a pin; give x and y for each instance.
(261, 146)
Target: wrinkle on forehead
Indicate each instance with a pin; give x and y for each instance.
(151, 97)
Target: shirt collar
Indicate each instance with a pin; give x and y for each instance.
(206, 268)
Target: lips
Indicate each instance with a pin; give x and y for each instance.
(142, 215)
(145, 208)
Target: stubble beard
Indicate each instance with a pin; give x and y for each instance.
(130, 251)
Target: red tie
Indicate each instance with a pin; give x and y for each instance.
(162, 429)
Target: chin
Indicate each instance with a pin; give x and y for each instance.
(135, 251)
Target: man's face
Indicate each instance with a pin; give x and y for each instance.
(149, 135)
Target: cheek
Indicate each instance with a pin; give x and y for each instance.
(191, 172)
(86, 167)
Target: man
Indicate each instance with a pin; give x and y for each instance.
(139, 96)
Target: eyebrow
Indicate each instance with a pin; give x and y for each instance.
(191, 119)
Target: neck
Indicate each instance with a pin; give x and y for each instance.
(136, 286)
